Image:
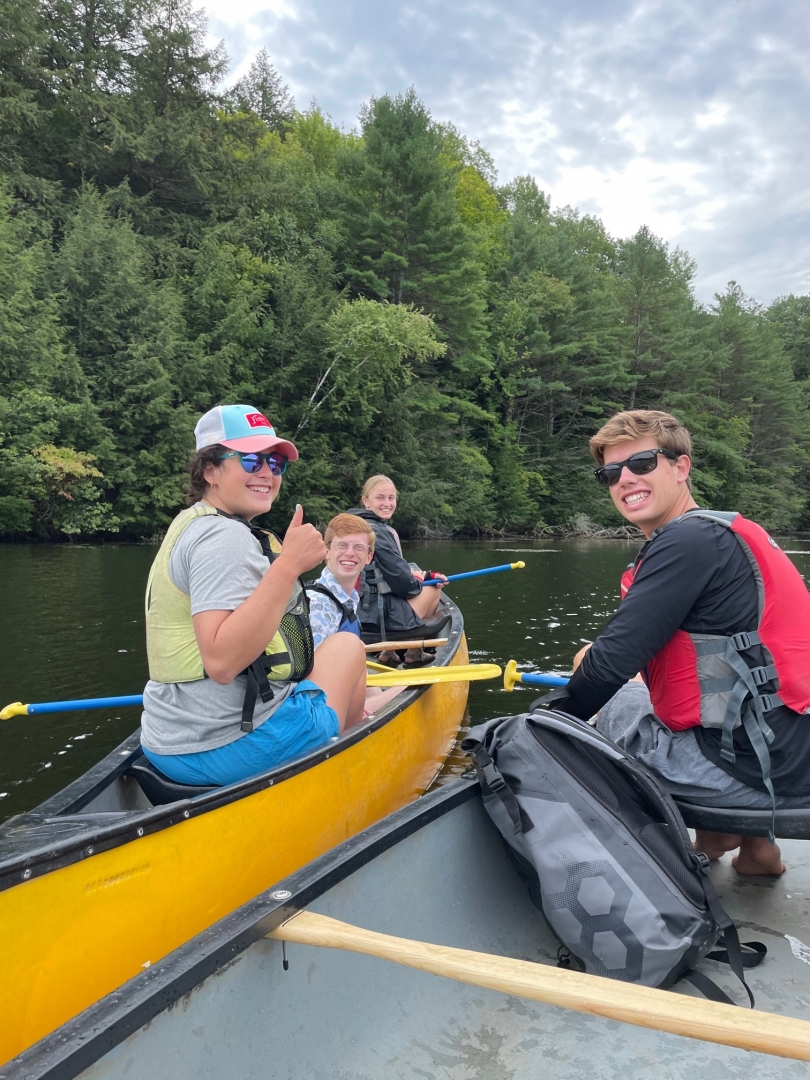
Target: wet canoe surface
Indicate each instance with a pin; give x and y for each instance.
(222, 1005)
(96, 884)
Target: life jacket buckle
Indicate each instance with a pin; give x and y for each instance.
(762, 675)
(745, 640)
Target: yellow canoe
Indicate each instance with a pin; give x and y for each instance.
(97, 884)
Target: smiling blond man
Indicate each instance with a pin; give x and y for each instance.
(717, 620)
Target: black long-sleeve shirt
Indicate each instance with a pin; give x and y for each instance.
(693, 576)
(397, 573)
(397, 612)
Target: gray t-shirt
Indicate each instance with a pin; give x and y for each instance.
(219, 563)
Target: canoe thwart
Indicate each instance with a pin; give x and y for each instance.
(630, 1003)
(424, 643)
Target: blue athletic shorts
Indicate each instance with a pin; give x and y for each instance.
(303, 723)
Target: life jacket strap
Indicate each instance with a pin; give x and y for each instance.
(349, 614)
(374, 580)
(760, 735)
(747, 703)
(258, 685)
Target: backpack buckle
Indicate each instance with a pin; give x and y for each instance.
(703, 861)
(493, 778)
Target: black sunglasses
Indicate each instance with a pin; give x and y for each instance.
(645, 461)
(251, 463)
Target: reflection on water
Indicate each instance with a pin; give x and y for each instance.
(73, 627)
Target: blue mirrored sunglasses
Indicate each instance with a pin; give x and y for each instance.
(251, 463)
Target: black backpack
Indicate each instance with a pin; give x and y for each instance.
(604, 852)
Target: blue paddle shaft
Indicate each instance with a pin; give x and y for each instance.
(472, 573)
(85, 703)
(542, 680)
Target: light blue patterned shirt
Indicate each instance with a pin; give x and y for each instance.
(324, 616)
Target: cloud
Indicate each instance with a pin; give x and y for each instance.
(692, 119)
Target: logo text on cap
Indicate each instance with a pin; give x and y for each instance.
(255, 419)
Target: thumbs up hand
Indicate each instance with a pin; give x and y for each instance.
(303, 545)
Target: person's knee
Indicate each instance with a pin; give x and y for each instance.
(343, 652)
(580, 655)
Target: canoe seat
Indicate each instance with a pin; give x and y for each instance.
(430, 629)
(791, 824)
(159, 789)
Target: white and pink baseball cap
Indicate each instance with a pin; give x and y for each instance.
(240, 427)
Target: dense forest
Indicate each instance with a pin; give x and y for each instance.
(167, 244)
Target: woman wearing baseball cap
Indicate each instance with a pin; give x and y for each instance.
(235, 684)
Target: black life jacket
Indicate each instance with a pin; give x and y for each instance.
(373, 589)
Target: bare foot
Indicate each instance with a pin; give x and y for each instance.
(758, 858)
(715, 844)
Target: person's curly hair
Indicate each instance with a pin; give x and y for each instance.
(198, 463)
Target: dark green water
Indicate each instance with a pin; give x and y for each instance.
(73, 627)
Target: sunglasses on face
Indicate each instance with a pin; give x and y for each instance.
(646, 461)
(251, 463)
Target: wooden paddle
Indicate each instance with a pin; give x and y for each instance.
(661, 1010)
(385, 646)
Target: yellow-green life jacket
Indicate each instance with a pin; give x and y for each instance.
(171, 644)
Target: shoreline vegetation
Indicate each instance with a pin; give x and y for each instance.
(170, 241)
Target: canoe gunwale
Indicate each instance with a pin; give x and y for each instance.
(66, 805)
(81, 1042)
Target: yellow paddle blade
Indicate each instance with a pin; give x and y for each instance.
(426, 676)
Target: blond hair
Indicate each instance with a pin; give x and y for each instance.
(375, 481)
(669, 433)
(346, 525)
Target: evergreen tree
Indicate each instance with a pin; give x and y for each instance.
(655, 293)
(262, 92)
(23, 40)
(405, 242)
(790, 317)
(47, 422)
(162, 139)
(758, 403)
(126, 330)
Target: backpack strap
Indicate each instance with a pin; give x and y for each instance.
(710, 989)
(490, 778)
(732, 954)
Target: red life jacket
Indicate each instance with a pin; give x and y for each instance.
(701, 679)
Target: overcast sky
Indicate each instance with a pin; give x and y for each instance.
(690, 116)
